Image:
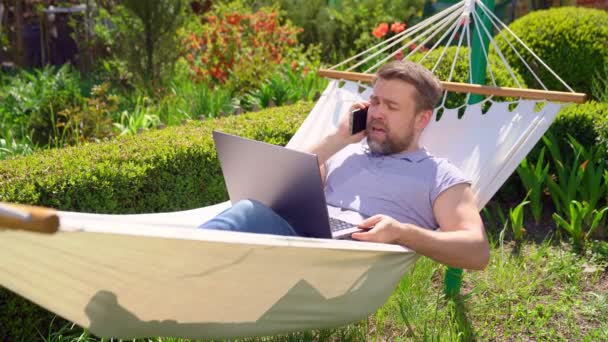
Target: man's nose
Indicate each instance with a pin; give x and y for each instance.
(376, 114)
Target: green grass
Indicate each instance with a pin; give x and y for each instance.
(534, 292)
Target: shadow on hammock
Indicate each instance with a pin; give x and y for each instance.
(303, 307)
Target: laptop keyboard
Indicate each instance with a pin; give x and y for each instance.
(337, 225)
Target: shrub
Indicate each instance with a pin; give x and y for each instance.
(286, 86)
(346, 28)
(22, 320)
(461, 71)
(572, 41)
(171, 169)
(584, 122)
(92, 120)
(587, 123)
(34, 99)
(241, 47)
(143, 34)
(599, 85)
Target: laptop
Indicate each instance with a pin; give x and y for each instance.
(285, 180)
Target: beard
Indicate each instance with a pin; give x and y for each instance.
(391, 144)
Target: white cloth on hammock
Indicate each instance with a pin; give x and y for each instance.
(129, 276)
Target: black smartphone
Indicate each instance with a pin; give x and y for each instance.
(358, 120)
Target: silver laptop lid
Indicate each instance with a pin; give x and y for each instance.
(285, 180)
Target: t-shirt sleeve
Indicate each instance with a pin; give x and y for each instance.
(447, 176)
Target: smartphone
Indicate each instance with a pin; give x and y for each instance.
(358, 120)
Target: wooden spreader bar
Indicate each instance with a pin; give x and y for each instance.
(25, 217)
(558, 96)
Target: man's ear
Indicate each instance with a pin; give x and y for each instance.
(423, 118)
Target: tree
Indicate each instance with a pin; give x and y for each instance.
(147, 37)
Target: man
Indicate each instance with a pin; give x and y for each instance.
(402, 194)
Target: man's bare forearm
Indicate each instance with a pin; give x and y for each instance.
(460, 248)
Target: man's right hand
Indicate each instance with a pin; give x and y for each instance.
(342, 133)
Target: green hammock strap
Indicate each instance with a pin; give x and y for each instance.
(453, 282)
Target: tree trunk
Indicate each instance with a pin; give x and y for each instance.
(18, 56)
(149, 53)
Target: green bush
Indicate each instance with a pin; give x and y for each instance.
(584, 122)
(22, 320)
(345, 28)
(587, 123)
(171, 169)
(144, 35)
(31, 102)
(461, 71)
(572, 41)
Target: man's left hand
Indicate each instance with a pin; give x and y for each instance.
(382, 228)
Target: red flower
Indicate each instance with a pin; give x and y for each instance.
(413, 46)
(399, 55)
(397, 27)
(381, 30)
(234, 19)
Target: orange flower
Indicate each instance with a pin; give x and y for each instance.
(294, 66)
(397, 27)
(381, 30)
(305, 70)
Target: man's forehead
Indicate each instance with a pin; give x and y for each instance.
(395, 91)
(388, 98)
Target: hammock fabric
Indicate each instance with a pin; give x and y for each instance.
(129, 276)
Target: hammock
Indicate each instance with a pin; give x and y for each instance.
(129, 276)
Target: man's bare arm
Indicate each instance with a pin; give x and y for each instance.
(460, 242)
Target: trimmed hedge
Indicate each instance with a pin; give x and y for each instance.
(171, 169)
(573, 41)
(587, 123)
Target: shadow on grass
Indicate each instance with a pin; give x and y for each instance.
(460, 319)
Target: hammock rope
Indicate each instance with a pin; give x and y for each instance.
(453, 27)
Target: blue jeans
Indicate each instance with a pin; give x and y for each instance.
(250, 216)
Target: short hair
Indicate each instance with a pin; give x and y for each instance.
(426, 84)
